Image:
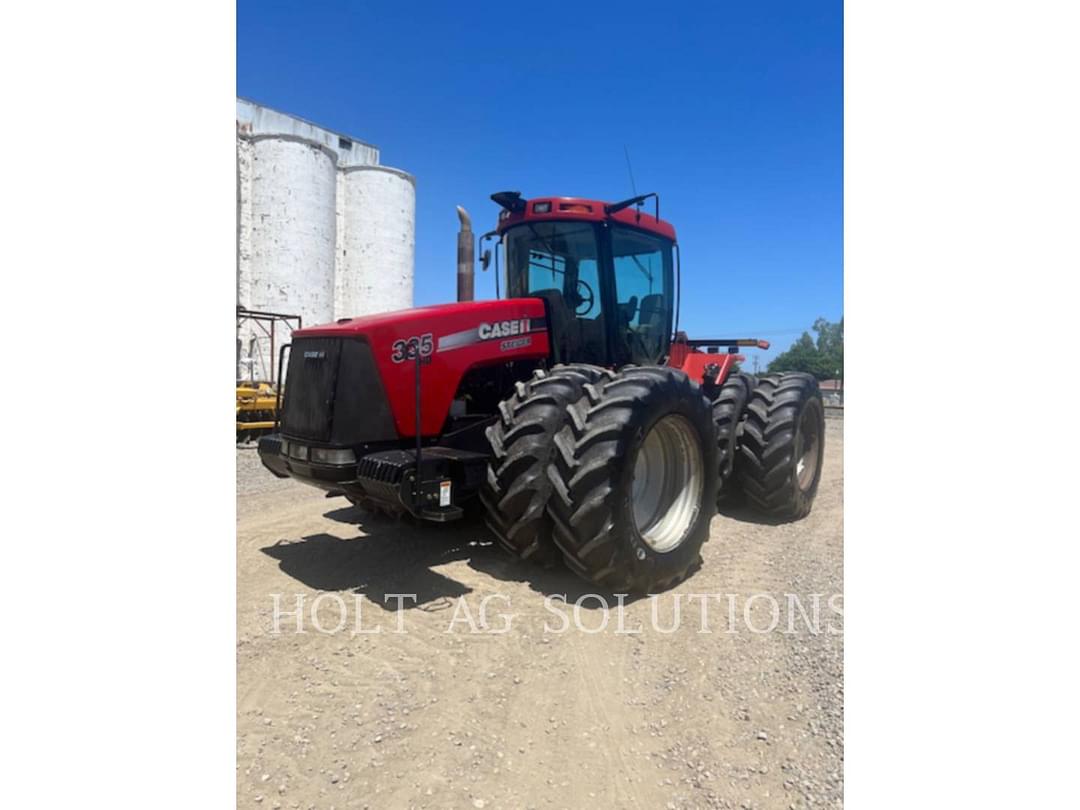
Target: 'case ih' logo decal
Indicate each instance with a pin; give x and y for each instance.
(494, 331)
(501, 329)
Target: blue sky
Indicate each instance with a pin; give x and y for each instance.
(732, 111)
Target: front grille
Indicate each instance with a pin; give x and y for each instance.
(309, 388)
(333, 393)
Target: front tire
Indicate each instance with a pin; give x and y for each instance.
(634, 480)
(517, 488)
(783, 445)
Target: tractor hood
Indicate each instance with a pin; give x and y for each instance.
(452, 340)
(436, 319)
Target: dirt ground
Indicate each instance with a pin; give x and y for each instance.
(717, 713)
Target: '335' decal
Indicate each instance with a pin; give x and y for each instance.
(403, 350)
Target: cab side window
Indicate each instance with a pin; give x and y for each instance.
(643, 288)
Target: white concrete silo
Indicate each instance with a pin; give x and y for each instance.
(286, 240)
(293, 227)
(375, 270)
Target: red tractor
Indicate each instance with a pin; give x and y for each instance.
(573, 411)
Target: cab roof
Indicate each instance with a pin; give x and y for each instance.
(545, 209)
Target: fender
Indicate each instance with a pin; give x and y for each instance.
(453, 339)
(694, 362)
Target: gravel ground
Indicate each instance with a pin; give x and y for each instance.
(252, 478)
(710, 715)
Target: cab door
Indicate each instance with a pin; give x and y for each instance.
(643, 293)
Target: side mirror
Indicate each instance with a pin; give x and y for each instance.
(485, 259)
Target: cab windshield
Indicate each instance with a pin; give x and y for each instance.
(559, 262)
(562, 263)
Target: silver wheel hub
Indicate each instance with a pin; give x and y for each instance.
(669, 477)
(807, 448)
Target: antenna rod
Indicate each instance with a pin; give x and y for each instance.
(630, 169)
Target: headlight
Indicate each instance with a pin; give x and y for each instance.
(328, 456)
(284, 448)
(298, 451)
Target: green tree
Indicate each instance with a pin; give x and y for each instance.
(824, 357)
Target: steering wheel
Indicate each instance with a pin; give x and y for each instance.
(584, 299)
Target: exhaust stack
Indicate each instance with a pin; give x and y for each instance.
(465, 257)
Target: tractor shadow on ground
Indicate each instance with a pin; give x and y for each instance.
(393, 556)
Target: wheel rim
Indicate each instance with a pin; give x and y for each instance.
(668, 480)
(807, 446)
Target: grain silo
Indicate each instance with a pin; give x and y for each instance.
(293, 227)
(323, 231)
(379, 206)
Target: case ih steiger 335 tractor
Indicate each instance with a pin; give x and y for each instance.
(573, 412)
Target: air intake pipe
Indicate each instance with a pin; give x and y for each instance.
(465, 257)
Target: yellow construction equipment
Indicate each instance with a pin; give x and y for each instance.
(256, 408)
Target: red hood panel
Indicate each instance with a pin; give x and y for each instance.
(454, 338)
(368, 324)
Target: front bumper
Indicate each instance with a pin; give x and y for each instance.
(447, 477)
(326, 476)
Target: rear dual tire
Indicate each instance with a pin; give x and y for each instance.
(728, 410)
(782, 445)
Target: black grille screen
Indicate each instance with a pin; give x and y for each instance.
(362, 410)
(333, 393)
(309, 388)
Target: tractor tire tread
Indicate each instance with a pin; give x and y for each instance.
(584, 473)
(516, 489)
(765, 461)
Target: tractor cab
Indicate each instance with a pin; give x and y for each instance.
(605, 272)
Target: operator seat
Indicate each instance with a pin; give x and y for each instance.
(652, 314)
(651, 325)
